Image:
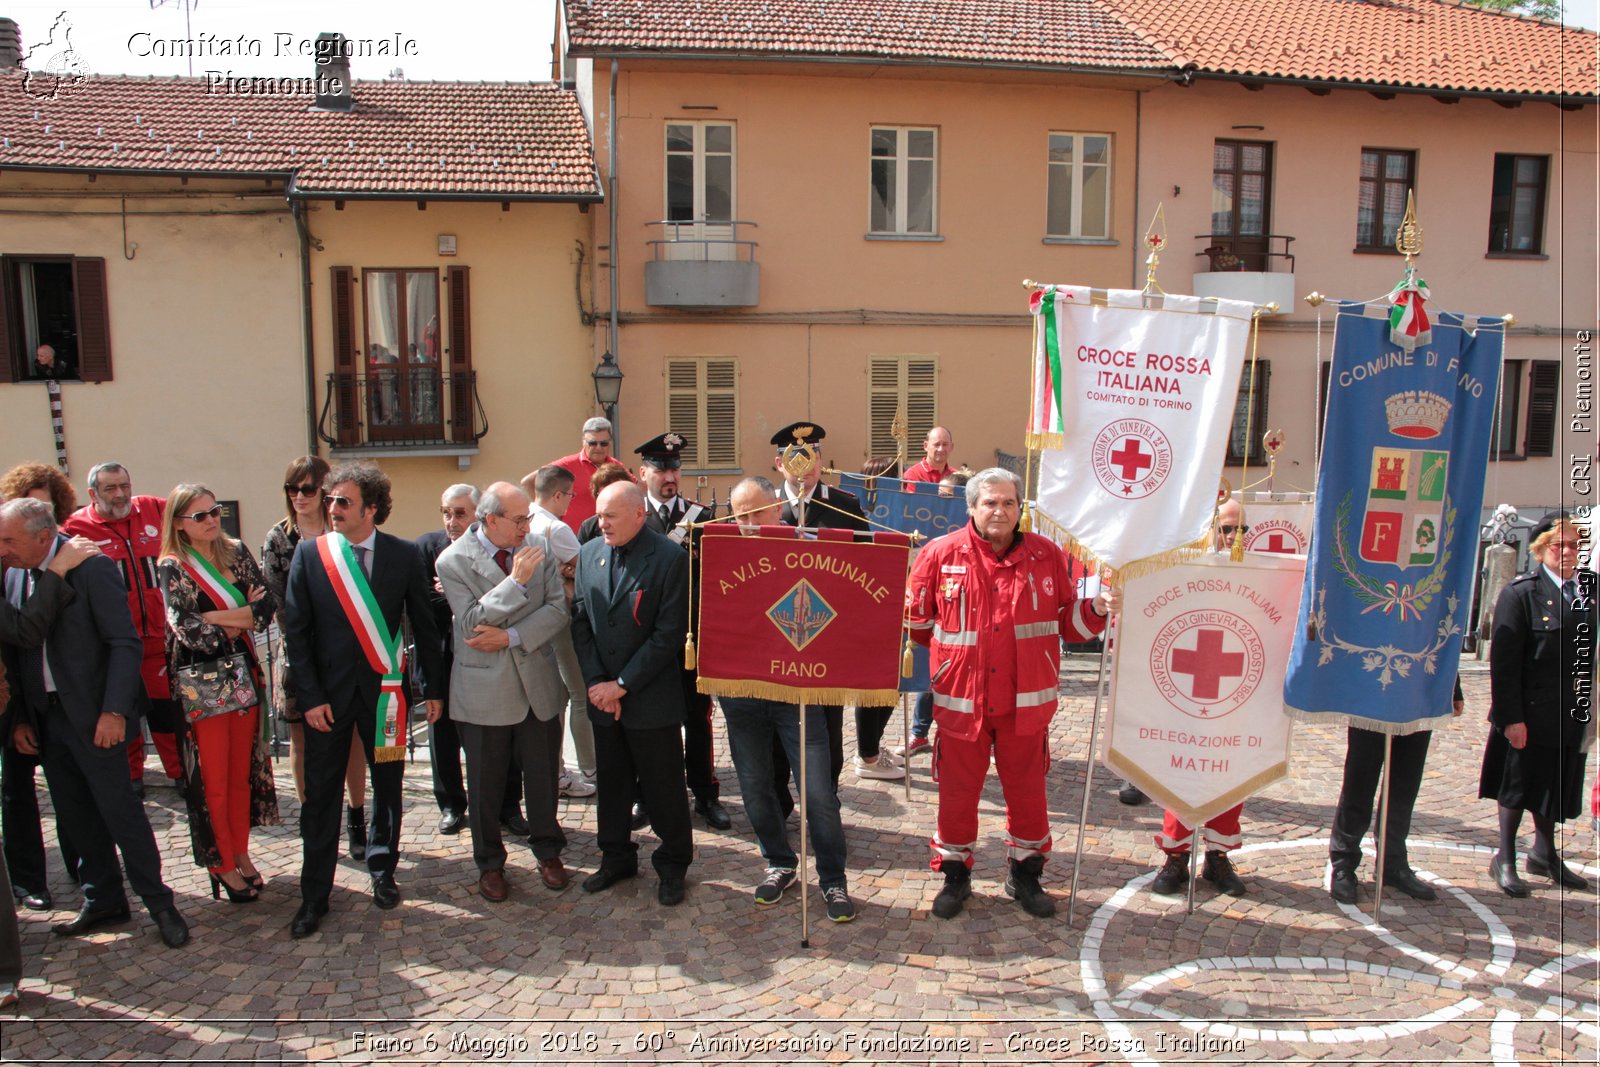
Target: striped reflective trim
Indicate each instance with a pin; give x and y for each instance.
(1037, 629)
(1172, 844)
(1080, 628)
(920, 625)
(1223, 841)
(1042, 843)
(959, 853)
(954, 703)
(955, 637)
(1037, 697)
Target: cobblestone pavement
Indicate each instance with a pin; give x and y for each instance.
(1283, 974)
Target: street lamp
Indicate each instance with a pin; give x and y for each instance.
(608, 385)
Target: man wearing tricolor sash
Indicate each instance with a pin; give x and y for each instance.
(347, 594)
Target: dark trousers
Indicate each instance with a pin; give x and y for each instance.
(94, 799)
(444, 754)
(1363, 768)
(833, 715)
(322, 815)
(870, 724)
(22, 828)
(698, 759)
(490, 780)
(654, 759)
(10, 934)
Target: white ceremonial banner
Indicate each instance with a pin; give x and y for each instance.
(1145, 396)
(1280, 523)
(1196, 707)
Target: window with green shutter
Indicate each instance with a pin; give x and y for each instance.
(703, 406)
(896, 385)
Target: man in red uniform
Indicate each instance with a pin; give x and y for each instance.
(935, 464)
(583, 464)
(994, 604)
(128, 530)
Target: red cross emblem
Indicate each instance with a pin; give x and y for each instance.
(1131, 458)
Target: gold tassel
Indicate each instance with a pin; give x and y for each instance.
(906, 664)
(388, 753)
(1025, 524)
(689, 657)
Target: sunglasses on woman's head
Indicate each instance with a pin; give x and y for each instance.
(213, 512)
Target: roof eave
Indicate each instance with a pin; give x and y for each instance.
(407, 197)
(732, 56)
(153, 172)
(1558, 99)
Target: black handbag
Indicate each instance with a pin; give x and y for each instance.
(217, 687)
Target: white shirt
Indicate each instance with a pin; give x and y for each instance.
(21, 589)
(563, 542)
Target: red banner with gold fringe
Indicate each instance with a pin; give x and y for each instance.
(800, 620)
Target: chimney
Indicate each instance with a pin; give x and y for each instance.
(333, 74)
(10, 45)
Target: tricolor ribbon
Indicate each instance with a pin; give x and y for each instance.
(1045, 424)
(205, 574)
(1408, 315)
(383, 651)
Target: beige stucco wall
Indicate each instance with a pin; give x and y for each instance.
(530, 349)
(830, 297)
(1317, 154)
(205, 335)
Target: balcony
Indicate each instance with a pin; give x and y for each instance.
(1258, 268)
(702, 265)
(407, 410)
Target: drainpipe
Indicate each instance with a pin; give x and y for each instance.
(1138, 147)
(299, 210)
(611, 202)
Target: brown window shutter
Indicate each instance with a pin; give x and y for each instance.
(1544, 381)
(462, 386)
(94, 320)
(9, 369)
(347, 428)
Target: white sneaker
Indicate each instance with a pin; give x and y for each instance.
(885, 767)
(571, 785)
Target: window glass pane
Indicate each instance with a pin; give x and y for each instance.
(422, 316)
(383, 317)
(1222, 157)
(883, 195)
(1505, 442)
(1061, 148)
(919, 144)
(680, 188)
(1096, 149)
(1096, 196)
(1365, 214)
(719, 187)
(1398, 166)
(719, 138)
(1222, 203)
(1394, 209)
(1369, 164)
(1058, 212)
(883, 142)
(919, 191)
(1528, 168)
(1525, 217)
(1253, 157)
(680, 138)
(1252, 208)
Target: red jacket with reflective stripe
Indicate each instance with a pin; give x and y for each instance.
(994, 626)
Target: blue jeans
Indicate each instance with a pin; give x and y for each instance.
(922, 718)
(752, 724)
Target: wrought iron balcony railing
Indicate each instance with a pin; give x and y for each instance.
(402, 407)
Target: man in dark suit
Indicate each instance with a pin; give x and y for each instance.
(629, 618)
(668, 512)
(77, 695)
(348, 675)
(456, 505)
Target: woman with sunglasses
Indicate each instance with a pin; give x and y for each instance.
(215, 598)
(306, 502)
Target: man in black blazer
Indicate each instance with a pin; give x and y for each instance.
(339, 687)
(77, 696)
(629, 618)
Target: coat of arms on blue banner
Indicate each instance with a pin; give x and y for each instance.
(1389, 580)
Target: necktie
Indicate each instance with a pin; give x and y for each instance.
(666, 516)
(361, 558)
(503, 559)
(1569, 591)
(619, 559)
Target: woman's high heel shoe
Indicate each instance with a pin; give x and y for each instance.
(254, 881)
(247, 895)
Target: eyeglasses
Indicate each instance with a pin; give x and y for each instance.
(302, 490)
(455, 513)
(595, 444)
(213, 512)
(1227, 531)
(339, 502)
(519, 521)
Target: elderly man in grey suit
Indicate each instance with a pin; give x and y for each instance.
(506, 692)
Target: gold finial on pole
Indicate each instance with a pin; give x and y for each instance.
(1315, 299)
(900, 430)
(1272, 443)
(1155, 239)
(1408, 238)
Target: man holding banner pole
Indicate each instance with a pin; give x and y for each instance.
(994, 604)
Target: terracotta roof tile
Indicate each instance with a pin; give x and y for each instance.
(1431, 44)
(403, 138)
(1051, 33)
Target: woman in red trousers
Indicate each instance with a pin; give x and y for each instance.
(215, 599)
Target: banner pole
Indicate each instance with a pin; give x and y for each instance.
(905, 733)
(1088, 780)
(1194, 846)
(1383, 828)
(805, 875)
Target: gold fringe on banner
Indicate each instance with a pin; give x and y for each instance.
(791, 694)
(1036, 440)
(1134, 569)
(388, 753)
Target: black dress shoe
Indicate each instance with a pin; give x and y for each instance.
(33, 901)
(1131, 795)
(1342, 887)
(1406, 880)
(91, 917)
(174, 931)
(1557, 872)
(451, 822)
(670, 892)
(385, 894)
(641, 818)
(308, 918)
(605, 878)
(1505, 876)
(515, 824)
(715, 814)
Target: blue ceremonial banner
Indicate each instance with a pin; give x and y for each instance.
(1389, 582)
(909, 507)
